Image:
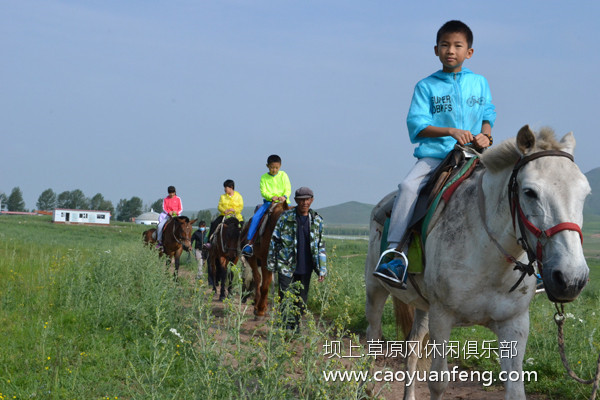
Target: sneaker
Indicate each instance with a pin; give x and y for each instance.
(393, 271)
(247, 250)
(206, 246)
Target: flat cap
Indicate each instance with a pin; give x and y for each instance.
(303, 193)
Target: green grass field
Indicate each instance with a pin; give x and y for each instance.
(89, 313)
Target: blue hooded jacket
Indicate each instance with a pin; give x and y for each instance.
(459, 100)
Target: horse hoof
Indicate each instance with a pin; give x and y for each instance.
(221, 298)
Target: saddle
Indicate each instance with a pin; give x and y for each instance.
(155, 233)
(452, 171)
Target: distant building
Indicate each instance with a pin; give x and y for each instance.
(94, 217)
(147, 218)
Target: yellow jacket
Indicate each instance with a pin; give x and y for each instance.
(234, 202)
(278, 185)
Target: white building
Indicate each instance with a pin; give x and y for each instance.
(147, 218)
(66, 216)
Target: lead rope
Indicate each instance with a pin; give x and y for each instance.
(559, 318)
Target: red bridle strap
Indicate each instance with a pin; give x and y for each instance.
(563, 226)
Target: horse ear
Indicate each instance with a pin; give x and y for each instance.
(525, 139)
(568, 143)
(192, 221)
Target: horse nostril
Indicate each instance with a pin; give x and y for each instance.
(558, 279)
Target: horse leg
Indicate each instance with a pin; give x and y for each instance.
(376, 298)
(230, 279)
(176, 271)
(223, 278)
(512, 340)
(212, 273)
(247, 280)
(440, 325)
(257, 282)
(417, 334)
(265, 286)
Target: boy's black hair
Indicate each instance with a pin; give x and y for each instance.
(455, 26)
(229, 183)
(202, 223)
(171, 189)
(274, 158)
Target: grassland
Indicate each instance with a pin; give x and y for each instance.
(89, 313)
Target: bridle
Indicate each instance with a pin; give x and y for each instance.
(179, 224)
(226, 249)
(518, 216)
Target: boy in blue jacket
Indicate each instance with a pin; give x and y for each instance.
(451, 106)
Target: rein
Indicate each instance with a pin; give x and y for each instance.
(559, 318)
(224, 248)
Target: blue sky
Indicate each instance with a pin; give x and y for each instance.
(127, 97)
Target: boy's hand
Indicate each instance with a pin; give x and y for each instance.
(462, 137)
(481, 141)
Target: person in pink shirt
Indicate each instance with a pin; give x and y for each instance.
(171, 208)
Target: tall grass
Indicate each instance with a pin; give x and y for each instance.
(89, 313)
(87, 316)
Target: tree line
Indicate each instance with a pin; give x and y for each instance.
(126, 209)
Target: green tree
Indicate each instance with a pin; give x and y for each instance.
(204, 215)
(98, 202)
(47, 200)
(74, 199)
(62, 200)
(15, 200)
(128, 209)
(157, 206)
(78, 200)
(3, 200)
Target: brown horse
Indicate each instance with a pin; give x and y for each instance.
(176, 237)
(224, 250)
(261, 277)
(149, 236)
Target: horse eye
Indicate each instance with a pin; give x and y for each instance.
(530, 193)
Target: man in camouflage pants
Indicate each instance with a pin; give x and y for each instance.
(297, 249)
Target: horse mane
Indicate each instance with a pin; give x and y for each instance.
(506, 154)
(183, 218)
(233, 227)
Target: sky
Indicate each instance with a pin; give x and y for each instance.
(125, 98)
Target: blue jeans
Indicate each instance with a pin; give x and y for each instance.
(256, 219)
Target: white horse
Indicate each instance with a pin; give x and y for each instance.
(471, 241)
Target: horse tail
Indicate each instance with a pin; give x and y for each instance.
(405, 315)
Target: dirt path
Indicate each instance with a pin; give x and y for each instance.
(391, 390)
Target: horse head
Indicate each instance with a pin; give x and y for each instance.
(229, 237)
(548, 193)
(183, 231)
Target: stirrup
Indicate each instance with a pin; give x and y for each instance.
(248, 250)
(386, 256)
